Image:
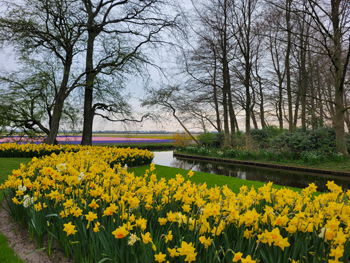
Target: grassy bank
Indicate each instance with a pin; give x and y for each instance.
(211, 180)
(319, 162)
(6, 166)
(7, 255)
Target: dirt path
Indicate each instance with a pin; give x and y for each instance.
(18, 239)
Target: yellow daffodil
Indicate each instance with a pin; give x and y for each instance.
(162, 221)
(186, 248)
(91, 216)
(69, 229)
(159, 257)
(146, 238)
(237, 256)
(169, 237)
(120, 232)
(248, 259)
(173, 252)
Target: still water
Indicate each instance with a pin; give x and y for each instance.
(280, 177)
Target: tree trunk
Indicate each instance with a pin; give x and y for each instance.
(339, 126)
(340, 71)
(231, 112)
(55, 120)
(313, 106)
(313, 92)
(262, 112)
(255, 123)
(347, 116)
(280, 100)
(303, 83)
(227, 84)
(252, 113)
(183, 126)
(330, 105)
(248, 101)
(287, 65)
(319, 93)
(226, 76)
(226, 127)
(296, 111)
(236, 122)
(321, 106)
(88, 98)
(217, 110)
(61, 96)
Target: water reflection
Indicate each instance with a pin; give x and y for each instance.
(281, 177)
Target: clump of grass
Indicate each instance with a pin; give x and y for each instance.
(7, 255)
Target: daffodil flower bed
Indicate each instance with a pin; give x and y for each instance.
(28, 150)
(124, 156)
(97, 212)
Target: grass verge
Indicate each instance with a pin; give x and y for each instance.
(343, 165)
(6, 167)
(7, 255)
(211, 180)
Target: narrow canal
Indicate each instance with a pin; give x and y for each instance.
(280, 177)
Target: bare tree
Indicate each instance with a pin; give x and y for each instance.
(28, 97)
(169, 99)
(214, 28)
(245, 33)
(35, 28)
(332, 22)
(131, 25)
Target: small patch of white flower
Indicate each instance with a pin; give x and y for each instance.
(204, 151)
(322, 232)
(191, 149)
(81, 176)
(22, 188)
(133, 239)
(27, 201)
(61, 167)
(125, 167)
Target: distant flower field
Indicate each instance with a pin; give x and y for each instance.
(77, 140)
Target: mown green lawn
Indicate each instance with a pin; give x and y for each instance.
(211, 180)
(7, 255)
(6, 167)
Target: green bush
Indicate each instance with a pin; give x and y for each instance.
(231, 153)
(206, 138)
(204, 151)
(320, 140)
(239, 139)
(303, 146)
(263, 136)
(218, 140)
(191, 149)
